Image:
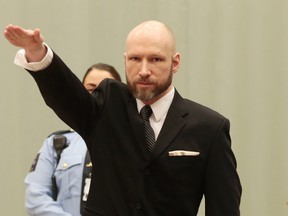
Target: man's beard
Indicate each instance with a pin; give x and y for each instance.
(145, 94)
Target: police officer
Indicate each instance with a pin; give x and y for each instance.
(59, 179)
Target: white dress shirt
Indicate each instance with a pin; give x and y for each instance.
(160, 109)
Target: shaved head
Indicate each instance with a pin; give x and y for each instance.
(153, 32)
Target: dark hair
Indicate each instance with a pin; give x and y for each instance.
(106, 67)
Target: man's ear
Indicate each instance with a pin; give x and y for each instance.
(176, 62)
(124, 55)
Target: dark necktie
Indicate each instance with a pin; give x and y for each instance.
(145, 113)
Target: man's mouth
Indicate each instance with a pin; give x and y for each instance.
(144, 84)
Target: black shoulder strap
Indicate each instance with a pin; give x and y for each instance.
(87, 172)
(59, 143)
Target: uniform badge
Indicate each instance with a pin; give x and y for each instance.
(33, 166)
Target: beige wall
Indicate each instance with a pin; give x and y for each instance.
(234, 59)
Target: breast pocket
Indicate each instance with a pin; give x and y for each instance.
(68, 175)
(185, 160)
(185, 170)
(184, 156)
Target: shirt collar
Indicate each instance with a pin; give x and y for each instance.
(160, 107)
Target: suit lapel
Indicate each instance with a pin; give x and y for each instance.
(174, 122)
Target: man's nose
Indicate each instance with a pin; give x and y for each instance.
(144, 70)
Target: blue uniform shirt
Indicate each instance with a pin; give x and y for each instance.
(68, 173)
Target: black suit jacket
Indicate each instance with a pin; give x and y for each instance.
(128, 181)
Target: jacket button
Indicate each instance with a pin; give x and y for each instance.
(138, 206)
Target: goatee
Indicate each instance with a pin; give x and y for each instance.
(145, 94)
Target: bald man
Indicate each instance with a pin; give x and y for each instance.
(161, 164)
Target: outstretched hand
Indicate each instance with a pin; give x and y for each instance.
(31, 41)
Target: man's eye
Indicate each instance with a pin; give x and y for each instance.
(134, 58)
(156, 59)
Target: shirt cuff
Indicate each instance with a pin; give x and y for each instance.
(21, 60)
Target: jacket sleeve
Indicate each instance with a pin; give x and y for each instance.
(222, 184)
(63, 92)
(38, 194)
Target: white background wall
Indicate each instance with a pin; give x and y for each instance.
(234, 59)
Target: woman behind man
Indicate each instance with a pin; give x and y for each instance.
(59, 179)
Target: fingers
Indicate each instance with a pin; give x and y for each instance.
(23, 38)
(15, 33)
(8, 32)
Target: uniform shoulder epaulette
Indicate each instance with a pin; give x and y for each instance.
(59, 132)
